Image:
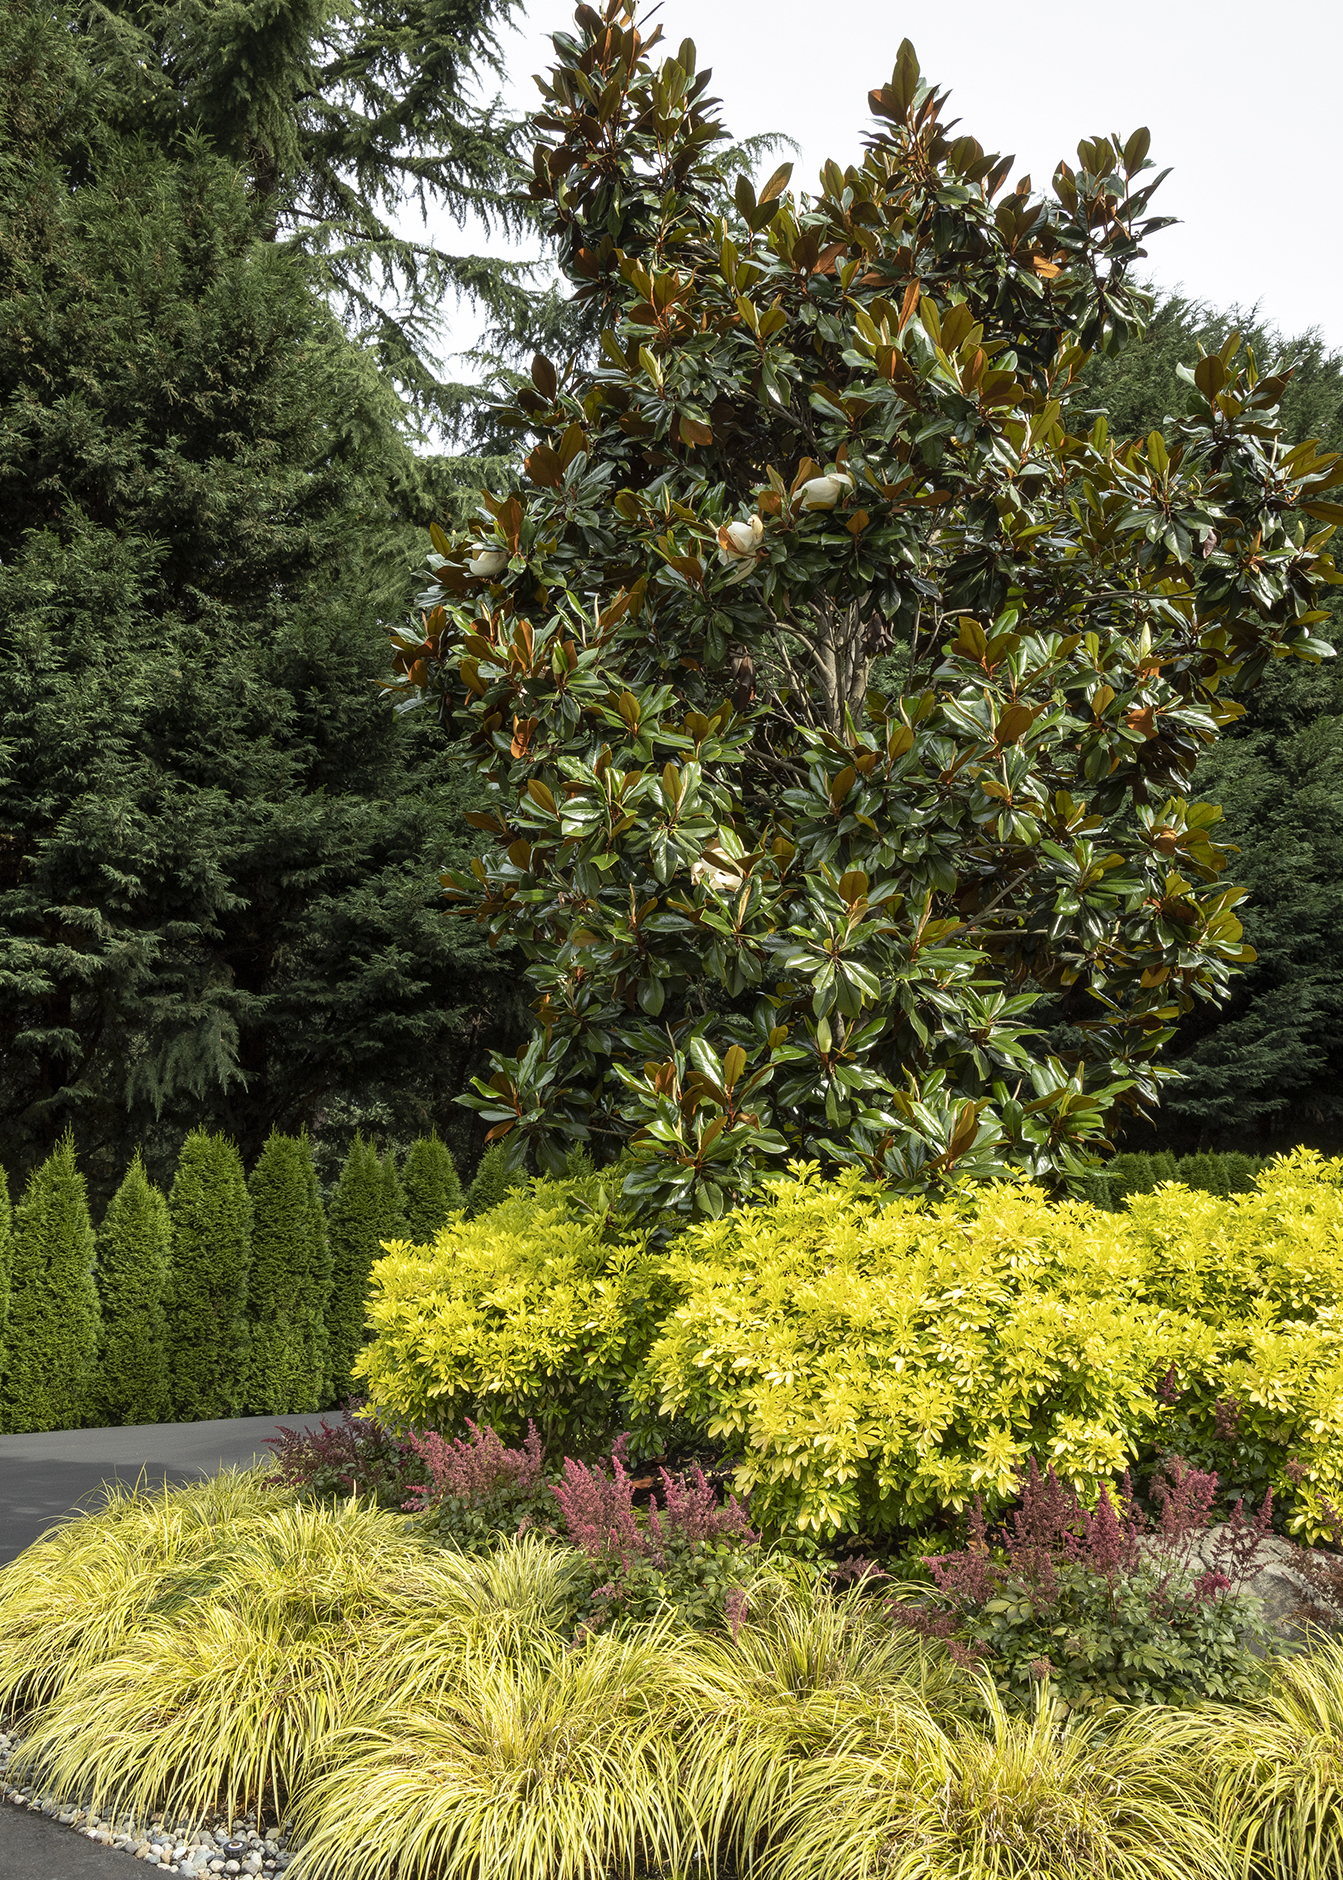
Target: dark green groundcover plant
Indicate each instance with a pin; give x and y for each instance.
(1106, 1606)
(771, 907)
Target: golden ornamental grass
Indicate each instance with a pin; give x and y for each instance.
(425, 1715)
(564, 1764)
(1020, 1799)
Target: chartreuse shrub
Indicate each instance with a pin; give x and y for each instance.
(132, 1272)
(51, 1330)
(536, 1310)
(874, 1364)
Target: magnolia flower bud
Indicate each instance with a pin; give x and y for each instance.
(736, 539)
(825, 492)
(486, 560)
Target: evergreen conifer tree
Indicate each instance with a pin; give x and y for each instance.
(433, 1189)
(51, 1339)
(211, 1215)
(289, 1282)
(132, 1273)
(208, 514)
(6, 1222)
(336, 111)
(493, 1181)
(356, 1227)
(394, 1225)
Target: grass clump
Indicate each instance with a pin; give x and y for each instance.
(1022, 1798)
(189, 1650)
(547, 1762)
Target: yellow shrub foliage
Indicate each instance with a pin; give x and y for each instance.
(532, 1310)
(876, 1363)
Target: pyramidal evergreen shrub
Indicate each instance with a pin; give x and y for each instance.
(433, 1190)
(132, 1272)
(211, 1216)
(51, 1334)
(493, 1182)
(365, 1211)
(5, 1253)
(394, 1223)
(289, 1282)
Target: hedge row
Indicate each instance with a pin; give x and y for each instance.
(231, 1296)
(870, 1364)
(1126, 1175)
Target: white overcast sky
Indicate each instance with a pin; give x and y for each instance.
(1244, 104)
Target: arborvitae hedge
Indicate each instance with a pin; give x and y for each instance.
(395, 1226)
(494, 1181)
(133, 1270)
(357, 1222)
(433, 1190)
(289, 1283)
(5, 1250)
(51, 1341)
(207, 1300)
(1143, 1174)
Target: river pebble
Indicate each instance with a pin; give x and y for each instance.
(247, 1846)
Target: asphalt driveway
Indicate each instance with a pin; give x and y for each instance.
(43, 1478)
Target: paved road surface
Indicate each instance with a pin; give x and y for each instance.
(43, 1478)
(33, 1848)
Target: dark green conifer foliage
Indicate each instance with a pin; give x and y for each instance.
(493, 1181)
(289, 1282)
(394, 1225)
(433, 1190)
(132, 1272)
(6, 1249)
(219, 847)
(336, 111)
(51, 1333)
(357, 1223)
(211, 1214)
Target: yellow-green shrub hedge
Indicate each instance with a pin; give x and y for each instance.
(876, 1363)
(534, 1309)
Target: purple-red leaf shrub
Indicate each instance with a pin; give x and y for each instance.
(600, 1518)
(355, 1456)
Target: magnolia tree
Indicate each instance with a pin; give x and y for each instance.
(840, 691)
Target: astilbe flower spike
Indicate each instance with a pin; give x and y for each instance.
(471, 1469)
(598, 1509)
(691, 1512)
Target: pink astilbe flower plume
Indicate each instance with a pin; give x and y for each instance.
(471, 1469)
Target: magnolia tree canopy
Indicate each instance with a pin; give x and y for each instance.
(840, 688)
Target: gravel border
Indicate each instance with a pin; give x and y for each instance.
(215, 1846)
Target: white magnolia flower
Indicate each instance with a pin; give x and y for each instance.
(705, 873)
(486, 560)
(736, 539)
(825, 492)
